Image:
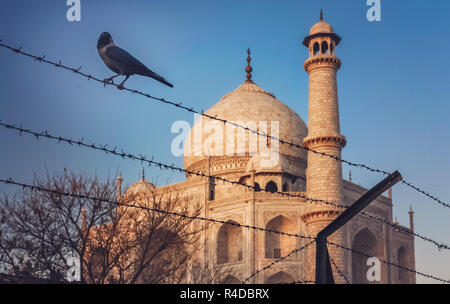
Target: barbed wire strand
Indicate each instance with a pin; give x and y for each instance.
(277, 261)
(339, 271)
(82, 196)
(10, 181)
(58, 64)
(390, 263)
(163, 166)
(302, 282)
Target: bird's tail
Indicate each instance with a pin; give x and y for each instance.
(158, 77)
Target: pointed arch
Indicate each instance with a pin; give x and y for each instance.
(324, 47)
(403, 261)
(162, 251)
(364, 242)
(279, 277)
(316, 49)
(229, 244)
(229, 279)
(271, 186)
(277, 245)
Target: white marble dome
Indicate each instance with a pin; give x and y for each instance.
(248, 104)
(321, 27)
(139, 188)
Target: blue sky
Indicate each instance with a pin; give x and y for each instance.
(394, 88)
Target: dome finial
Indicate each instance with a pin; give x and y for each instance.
(249, 69)
(321, 15)
(143, 174)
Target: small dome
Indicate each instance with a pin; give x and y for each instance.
(140, 187)
(261, 163)
(321, 27)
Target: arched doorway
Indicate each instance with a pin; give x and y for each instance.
(278, 245)
(279, 277)
(271, 187)
(364, 242)
(402, 260)
(162, 252)
(229, 279)
(229, 244)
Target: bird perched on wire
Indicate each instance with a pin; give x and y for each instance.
(122, 63)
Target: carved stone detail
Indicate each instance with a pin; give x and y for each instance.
(292, 215)
(317, 61)
(337, 140)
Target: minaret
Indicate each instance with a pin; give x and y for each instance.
(119, 187)
(413, 249)
(323, 174)
(411, 219)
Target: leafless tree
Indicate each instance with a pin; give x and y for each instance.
(210, 272)
(61, 238)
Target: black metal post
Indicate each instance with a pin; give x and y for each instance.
(324, 273)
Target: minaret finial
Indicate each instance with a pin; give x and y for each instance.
(321, 15)
(350, 175)
(249, 69)
(119, 186)
(143, 174)
(411, 219)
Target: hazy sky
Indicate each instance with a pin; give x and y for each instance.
(394, 88)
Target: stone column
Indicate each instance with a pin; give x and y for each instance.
(252, 232)
(324, 174)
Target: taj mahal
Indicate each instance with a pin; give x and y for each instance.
(270, 166)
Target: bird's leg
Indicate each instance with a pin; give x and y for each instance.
(120, 86)
(109, 80)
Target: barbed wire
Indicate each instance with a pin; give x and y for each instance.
(117, 203)
(338, 270)
(59, 64)
(302, 282)
(277, 261)
(163, 166)
(82, 196)
(390, 263)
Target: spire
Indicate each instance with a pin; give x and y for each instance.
(143, 174)
(411, 219)
(350, 175)
(249, 69)
(321, 15)
(396, 221)
(119, 186)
